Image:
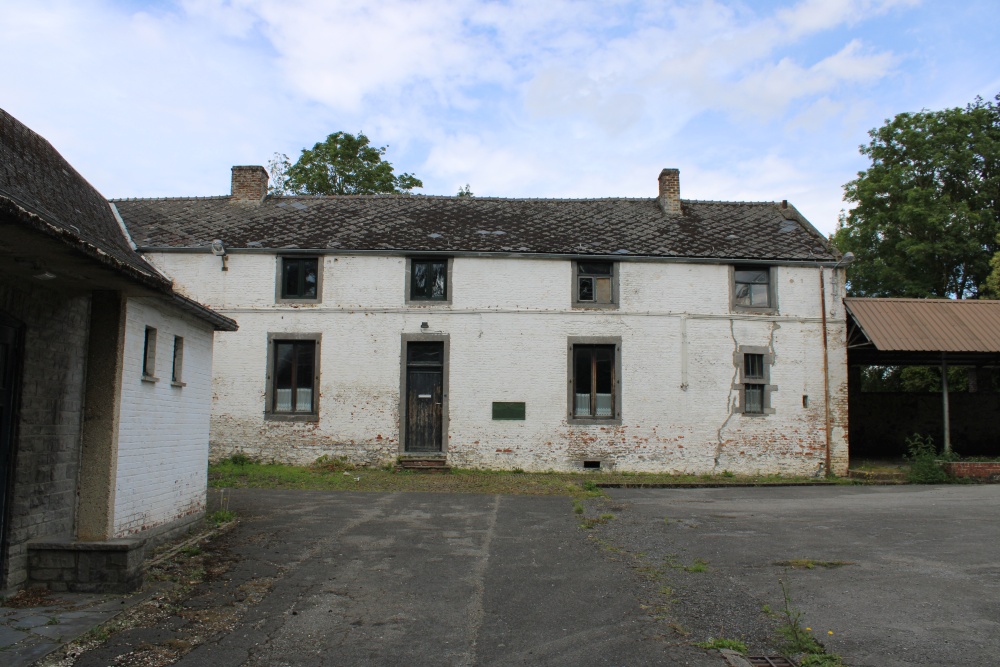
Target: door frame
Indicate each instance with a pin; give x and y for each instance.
(405, 339)
(7, 490)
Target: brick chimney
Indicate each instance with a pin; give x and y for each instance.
(670, 191)
(249, 185)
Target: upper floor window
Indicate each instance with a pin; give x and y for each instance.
(752, 288)
(299, 279)
(594, 284)
(428, 279)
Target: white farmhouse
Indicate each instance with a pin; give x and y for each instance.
(653, 334)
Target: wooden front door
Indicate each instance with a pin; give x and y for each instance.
(10, 356)
(424, 396)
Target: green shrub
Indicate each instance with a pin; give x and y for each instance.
(923, 457)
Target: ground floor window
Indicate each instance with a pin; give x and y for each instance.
(754, 383)
(594, 380)
(293, 377)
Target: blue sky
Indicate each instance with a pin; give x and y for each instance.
(750, 100)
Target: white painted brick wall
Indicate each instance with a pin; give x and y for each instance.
(508, 325)
(163, 432)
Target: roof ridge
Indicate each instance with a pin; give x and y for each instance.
(120, 199)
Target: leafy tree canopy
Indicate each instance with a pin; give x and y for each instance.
(343, 164)
(926, 218)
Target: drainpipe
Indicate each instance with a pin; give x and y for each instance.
(826, 369)
(846, 259)
(944, 402)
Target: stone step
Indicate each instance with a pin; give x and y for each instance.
(427, 464)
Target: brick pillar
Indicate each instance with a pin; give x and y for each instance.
(670, 191)
(102, 404)
(249, 185)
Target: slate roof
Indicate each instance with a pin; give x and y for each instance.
(41, 190)
(415, 223)
(36, 179)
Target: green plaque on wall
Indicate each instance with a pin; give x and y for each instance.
(506, 410)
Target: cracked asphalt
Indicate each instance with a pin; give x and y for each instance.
(902, 576)
(319, 578)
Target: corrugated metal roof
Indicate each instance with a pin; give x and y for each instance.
(928, 325)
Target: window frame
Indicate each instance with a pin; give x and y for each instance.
(409, 299)
(149, 355)
(279, 282)
(764, 382)
(272, 340)
(593, 341)
(772, 294)
(577, 303)
(177, 367)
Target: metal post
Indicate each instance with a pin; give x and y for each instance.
(944, 402)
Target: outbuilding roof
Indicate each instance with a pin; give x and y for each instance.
(431, 224)
(44, 191)
(929, 325)
(41, 191)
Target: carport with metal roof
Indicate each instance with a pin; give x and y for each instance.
(926, 332)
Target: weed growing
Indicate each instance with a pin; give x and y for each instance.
(720, 643)
(799, 639)
(922, 457)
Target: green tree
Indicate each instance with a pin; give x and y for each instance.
(343, 164)
(927, 211)
(465, 191)
(992, 287)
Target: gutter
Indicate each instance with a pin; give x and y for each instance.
(402, 252)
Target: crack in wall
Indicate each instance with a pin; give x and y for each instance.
(730, 400)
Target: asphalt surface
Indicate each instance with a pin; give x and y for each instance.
(922, 586)
(323, 578)
(902, 576)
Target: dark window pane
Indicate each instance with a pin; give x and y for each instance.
(586, 289)
(753, 366)
(425, 353)
(593, 381)
(438, 279)
(429, 280)
(755, 276)
(299, 278)
(594, 268)
(294, 372)
(284, 354)
(582, 375)
(754, 398)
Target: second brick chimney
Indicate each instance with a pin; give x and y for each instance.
(249, 185)
(670, 191)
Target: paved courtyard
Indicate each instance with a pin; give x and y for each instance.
(901, 576)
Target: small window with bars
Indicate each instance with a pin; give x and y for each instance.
(754, 381)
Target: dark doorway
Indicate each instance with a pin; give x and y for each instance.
(10, 361)
(424, 396)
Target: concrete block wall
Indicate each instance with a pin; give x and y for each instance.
(508, 325)
(48, 442)
(163, 431)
